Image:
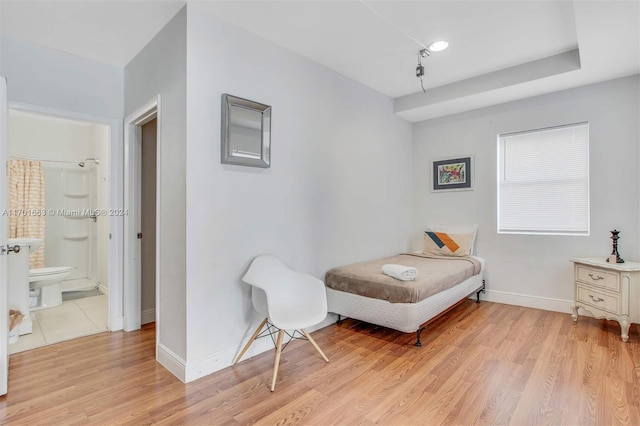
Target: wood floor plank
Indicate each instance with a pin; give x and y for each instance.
(479, 364)
(538, 408)
(484, 396)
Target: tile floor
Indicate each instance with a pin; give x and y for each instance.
(72, 319)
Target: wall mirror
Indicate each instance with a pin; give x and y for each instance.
(246, 132)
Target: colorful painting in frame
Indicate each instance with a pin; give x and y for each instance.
(453, 174)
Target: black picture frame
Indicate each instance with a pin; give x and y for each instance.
(452, 174)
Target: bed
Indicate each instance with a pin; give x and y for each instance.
(362, 292)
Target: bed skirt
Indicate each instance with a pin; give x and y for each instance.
(405, 317)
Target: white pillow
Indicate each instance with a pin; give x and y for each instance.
(456, 229)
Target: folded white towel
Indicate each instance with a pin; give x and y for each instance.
(400, 272)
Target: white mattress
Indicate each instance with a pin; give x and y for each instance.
(405, 317)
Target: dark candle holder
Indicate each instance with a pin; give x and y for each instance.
(615, 238)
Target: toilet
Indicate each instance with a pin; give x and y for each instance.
(44, 286)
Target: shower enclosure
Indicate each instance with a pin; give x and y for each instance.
(74, 157)
(71, 201)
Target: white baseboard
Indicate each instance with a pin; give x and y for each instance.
(528, 301)
(148, 315)
(103, 289)
(217, 361)
(172, 362)
(212, 363)
(116, 324)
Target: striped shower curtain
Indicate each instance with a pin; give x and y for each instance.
(26, 204)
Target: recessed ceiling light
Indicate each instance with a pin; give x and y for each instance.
(438, 46)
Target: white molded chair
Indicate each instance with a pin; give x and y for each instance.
(289, 300)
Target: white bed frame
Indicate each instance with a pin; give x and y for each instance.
(405, 317)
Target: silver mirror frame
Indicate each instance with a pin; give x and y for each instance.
(227, 143)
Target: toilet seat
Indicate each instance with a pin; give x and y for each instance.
(49, 273)
(37, 272)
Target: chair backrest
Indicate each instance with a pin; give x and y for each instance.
(291, 297)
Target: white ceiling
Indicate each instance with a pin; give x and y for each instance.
(498, 50)
(354, 40)
(107, 31)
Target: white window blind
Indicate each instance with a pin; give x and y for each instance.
(543, 181)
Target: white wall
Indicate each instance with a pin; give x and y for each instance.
(48, 138)
(534, 270)
(338, 190)
(160, 68)
(54, 82)
(40, 76)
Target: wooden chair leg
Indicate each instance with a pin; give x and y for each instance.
(277, 362)
(253, 337)
(315, 345)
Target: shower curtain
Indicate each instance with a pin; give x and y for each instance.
(26, 204)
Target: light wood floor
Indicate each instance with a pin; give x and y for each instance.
(480, 364)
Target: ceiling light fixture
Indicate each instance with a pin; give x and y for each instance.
(423, 53)
(438, 46)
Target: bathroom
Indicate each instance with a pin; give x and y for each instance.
(66, 163)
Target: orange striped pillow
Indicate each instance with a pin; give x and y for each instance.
(446, 244)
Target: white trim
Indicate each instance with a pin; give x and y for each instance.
(118, 323)
(172, 362)
(4, 281)
(132, 297)
(51, 118)
(158, 221)
(132, 182)
(148, 315)
(528, 301)
(103, 289)
(116, 200)
(133, 317)
(534, 302)
(219, 360)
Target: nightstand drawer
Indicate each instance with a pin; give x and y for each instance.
(598, 277)
(598, 299)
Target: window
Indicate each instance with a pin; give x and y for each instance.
(543, 181)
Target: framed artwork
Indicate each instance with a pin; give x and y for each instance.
(452, 174)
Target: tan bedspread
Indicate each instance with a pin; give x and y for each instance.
(435, 274)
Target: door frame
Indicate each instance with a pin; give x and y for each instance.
(4, 285)
(132, 189)
(116, 222)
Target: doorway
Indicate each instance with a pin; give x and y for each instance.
(148, 187)
(69, 159)
(143, 132)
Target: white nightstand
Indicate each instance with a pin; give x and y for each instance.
(607, 290)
